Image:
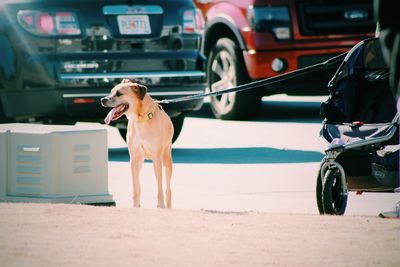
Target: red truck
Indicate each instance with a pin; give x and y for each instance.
(248, 40)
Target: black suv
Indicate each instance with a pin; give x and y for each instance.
(58, 58)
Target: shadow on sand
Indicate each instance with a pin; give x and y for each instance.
(245, 155)
(275, 111)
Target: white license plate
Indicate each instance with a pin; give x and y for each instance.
(134, 24)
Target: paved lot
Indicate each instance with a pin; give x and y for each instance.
(268, 164)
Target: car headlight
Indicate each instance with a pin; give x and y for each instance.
(270, 19)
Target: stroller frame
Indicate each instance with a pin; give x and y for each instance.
(330, 167)
(354, 89)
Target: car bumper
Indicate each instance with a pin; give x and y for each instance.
(84, 103)
(259, 66)
(259, 63)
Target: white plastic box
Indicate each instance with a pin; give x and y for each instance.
(3, 163)
(53, 163)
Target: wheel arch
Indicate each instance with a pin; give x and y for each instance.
(219, 28)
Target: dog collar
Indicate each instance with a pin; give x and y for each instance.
(149, 115)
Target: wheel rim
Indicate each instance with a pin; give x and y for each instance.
(223, 76)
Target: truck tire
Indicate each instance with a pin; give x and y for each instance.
(226, 69)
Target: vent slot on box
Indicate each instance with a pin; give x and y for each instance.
(28, 170)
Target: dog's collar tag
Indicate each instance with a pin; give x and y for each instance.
(145, 118)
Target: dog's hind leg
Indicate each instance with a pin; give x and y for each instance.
(157, 164)
(167, 160)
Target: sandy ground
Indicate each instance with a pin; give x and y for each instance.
(79, 235)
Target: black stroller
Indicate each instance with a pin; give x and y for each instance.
(361, 129)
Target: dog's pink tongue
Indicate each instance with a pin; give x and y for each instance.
(110, 116)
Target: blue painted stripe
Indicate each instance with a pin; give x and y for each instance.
(28, 169)
(62, 197)
(136, 9)
(24, 158)
(28, 180)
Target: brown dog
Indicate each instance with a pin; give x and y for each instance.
(149, 135)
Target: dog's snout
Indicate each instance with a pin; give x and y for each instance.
(104, 101)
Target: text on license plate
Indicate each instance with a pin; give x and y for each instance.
(134, 24)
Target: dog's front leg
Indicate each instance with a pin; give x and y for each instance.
(136, 166)
(167, 161)
(157, 164)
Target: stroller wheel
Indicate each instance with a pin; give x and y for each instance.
(319, 194)
(333, 200)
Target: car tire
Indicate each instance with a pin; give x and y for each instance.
(3, 118)
(123, 132)
(178, 125)
(226, 69)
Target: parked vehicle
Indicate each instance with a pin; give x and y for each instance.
(248, 40)
(58, 58)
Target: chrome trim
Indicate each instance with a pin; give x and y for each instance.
(136, 9)
(82, 95)
(132, 75)
(356, 14)
(176, 93)
(173, 93)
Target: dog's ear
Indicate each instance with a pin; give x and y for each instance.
(140, 90)
(129, 81)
